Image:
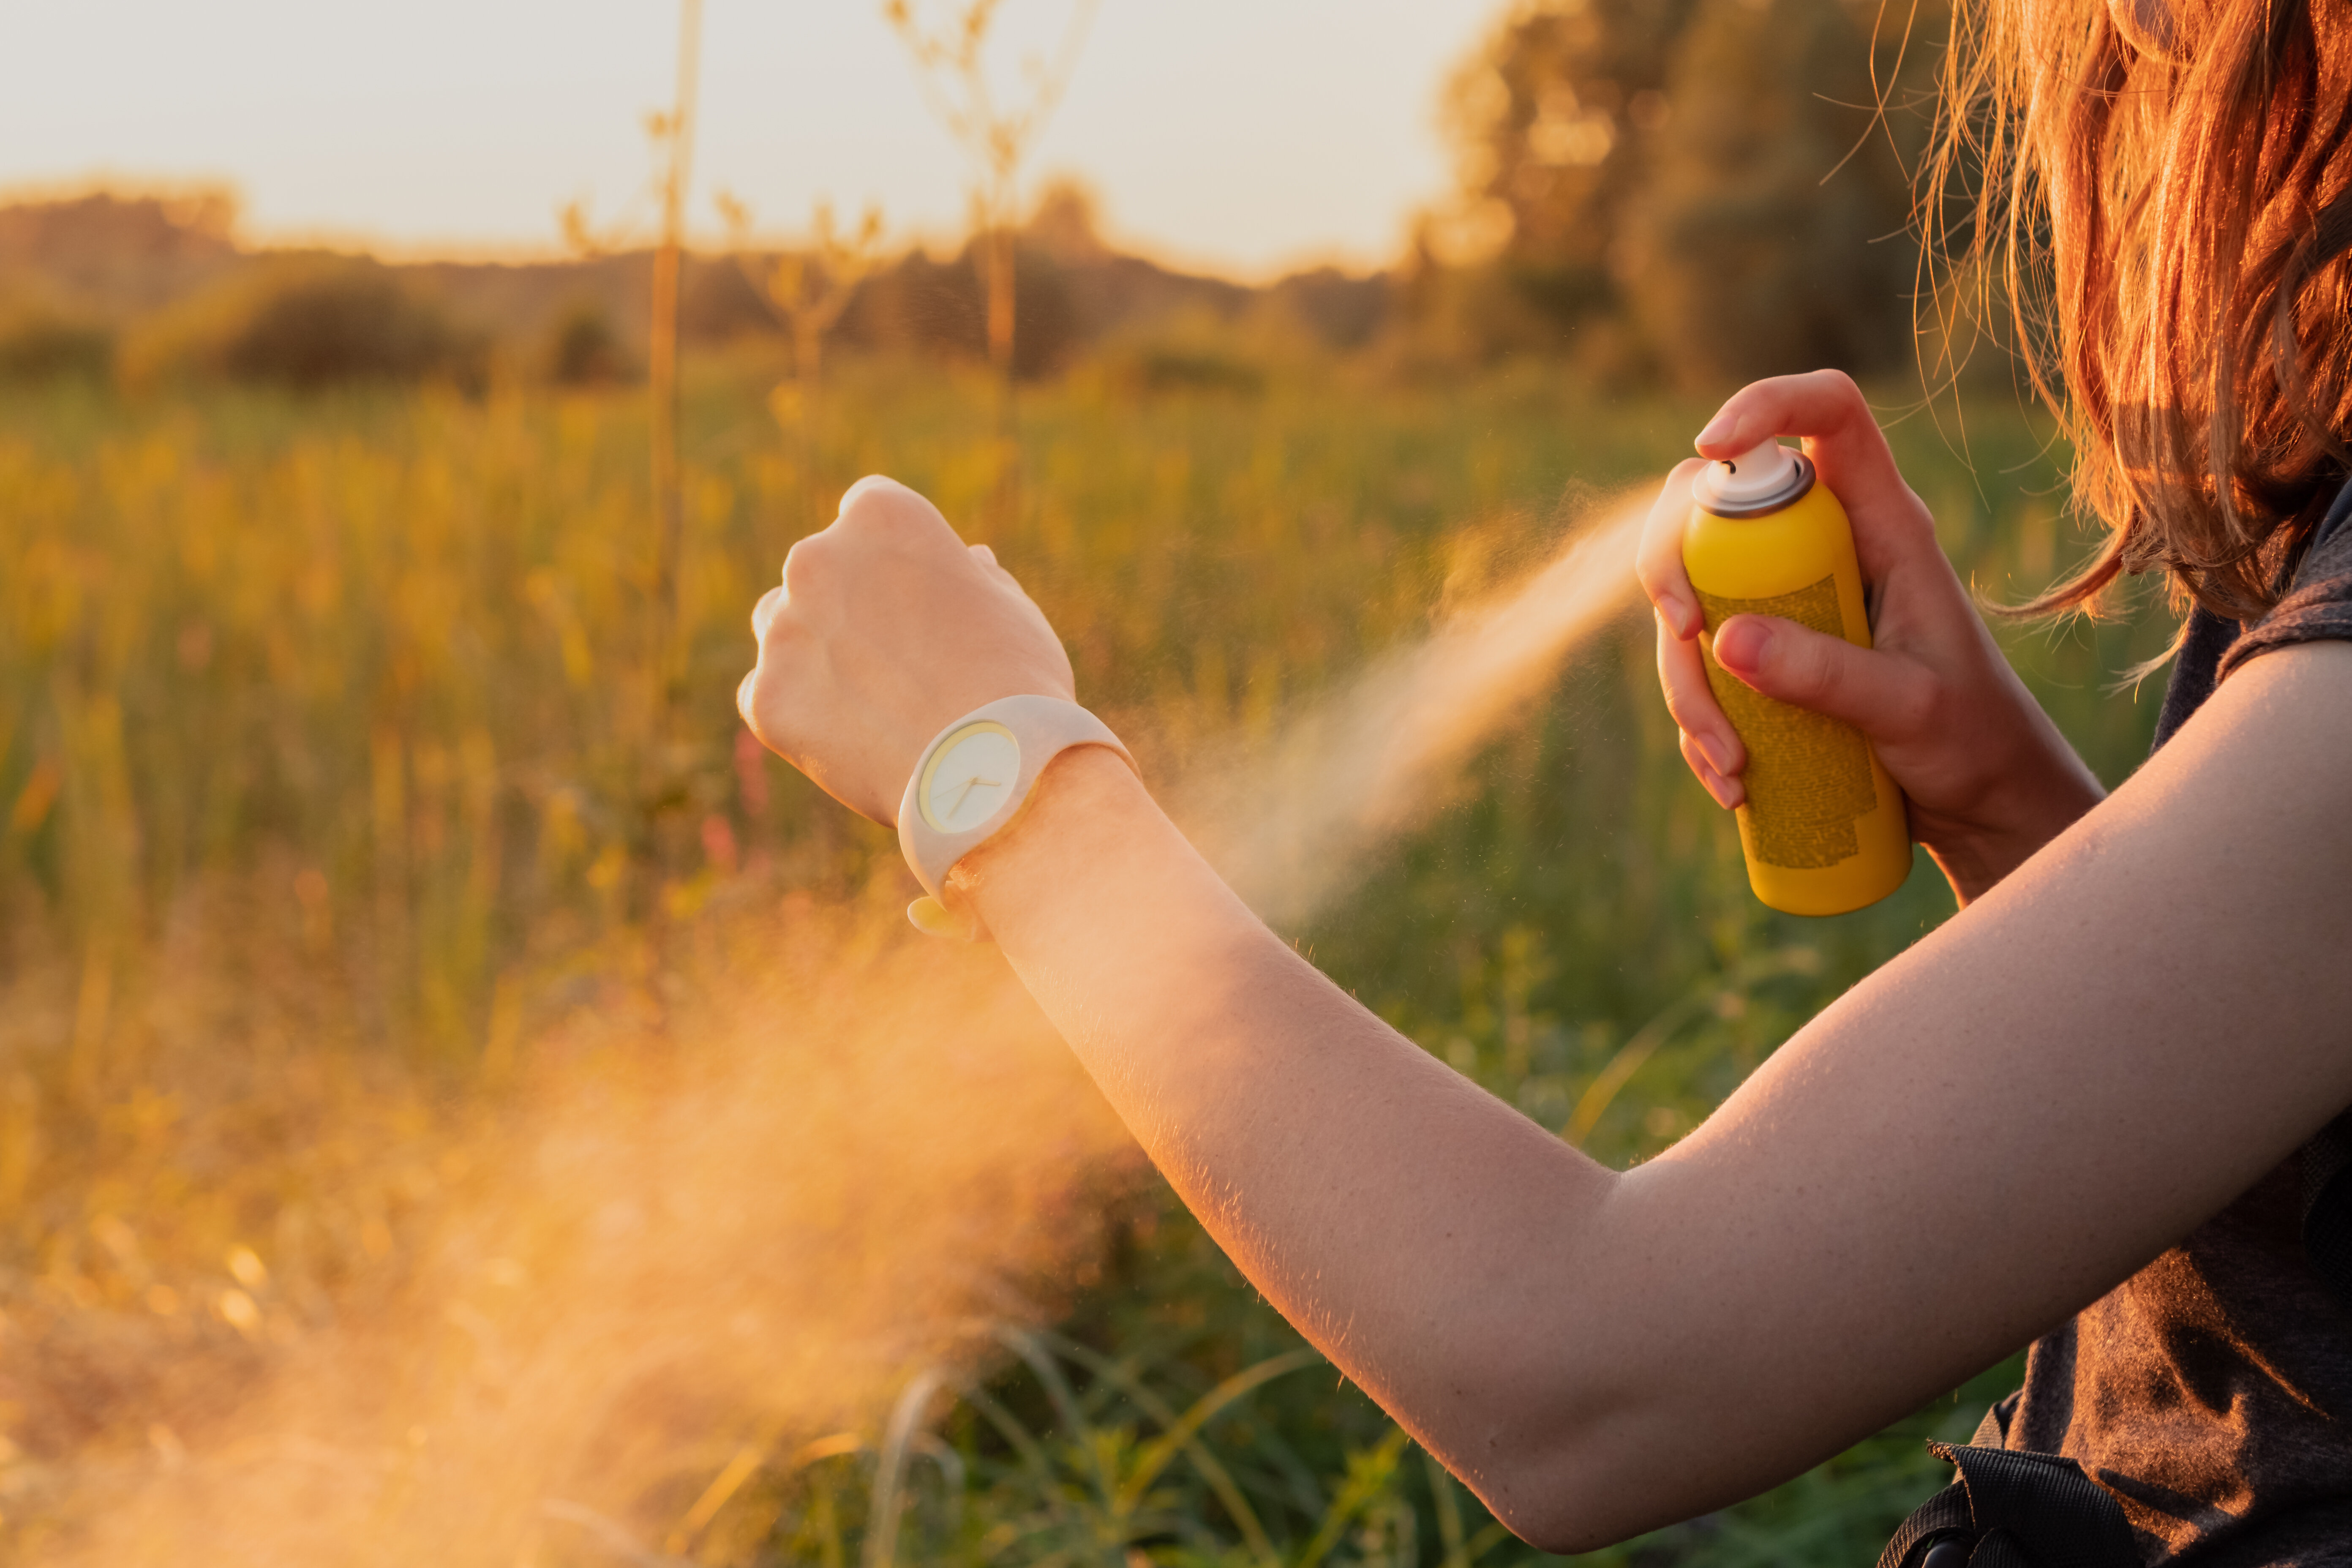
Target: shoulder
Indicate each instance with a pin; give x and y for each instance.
(2317, 606)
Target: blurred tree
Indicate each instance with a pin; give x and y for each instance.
(1773, 234)
(584, 349)
(1717, 188)
(40, 346)
(1551, 118)
(119, 250)
(315, 322)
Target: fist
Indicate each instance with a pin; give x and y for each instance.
(884, 630)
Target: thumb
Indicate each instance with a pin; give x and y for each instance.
(1876, 693)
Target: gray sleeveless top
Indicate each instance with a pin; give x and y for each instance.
(2211, 1392)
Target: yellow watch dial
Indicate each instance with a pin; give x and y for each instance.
(970, 777)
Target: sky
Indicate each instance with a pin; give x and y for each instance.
(1242, 136)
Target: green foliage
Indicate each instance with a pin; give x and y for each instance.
(1751, 257)
(378, 666)
(1552, 120)
(43, 347)
(305, 323)
(1638, 177)
(343, 326)
(584, 350)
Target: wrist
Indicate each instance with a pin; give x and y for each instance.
(1976, 853)
(1077, 823)
(974, 782)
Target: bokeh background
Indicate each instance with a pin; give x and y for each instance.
(461, 1101)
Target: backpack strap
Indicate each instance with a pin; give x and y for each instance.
(2010, 1509)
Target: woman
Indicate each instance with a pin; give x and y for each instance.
(2075, 1111)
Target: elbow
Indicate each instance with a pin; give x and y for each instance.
(1552, 1521)
(1585, 1490)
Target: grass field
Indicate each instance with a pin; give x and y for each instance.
(348, 821)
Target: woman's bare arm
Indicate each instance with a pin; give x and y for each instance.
(1985, 1135)
(1976, 1142)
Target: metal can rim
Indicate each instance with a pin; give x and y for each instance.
(1789, 495)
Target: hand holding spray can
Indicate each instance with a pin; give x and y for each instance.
(1824, 827)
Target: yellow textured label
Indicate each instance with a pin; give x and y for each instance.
(1808, 777)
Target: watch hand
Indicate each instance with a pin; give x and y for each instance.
(968, 784)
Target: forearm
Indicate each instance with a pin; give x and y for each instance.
(1981, 1137)
(1413, 1226)
(1594, 1353)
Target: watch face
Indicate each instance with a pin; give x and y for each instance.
(970, 777)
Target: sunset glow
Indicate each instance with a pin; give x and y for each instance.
(1240, 134)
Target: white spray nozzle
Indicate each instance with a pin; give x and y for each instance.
(1764, 473)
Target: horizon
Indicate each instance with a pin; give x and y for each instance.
(1208, 151)
(937, 247)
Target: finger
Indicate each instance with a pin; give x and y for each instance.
(1843, 437)
(801, 565)
(1658, 562)
(871, 484)
(996, 569)
(877, 503)
(1727, 793)
(743, 690)
(1824, 406)
(1881, 694)
(770, 604)
(1683, 675)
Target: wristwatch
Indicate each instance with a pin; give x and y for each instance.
(972, 779)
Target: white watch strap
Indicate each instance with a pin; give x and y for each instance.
(1043, 728)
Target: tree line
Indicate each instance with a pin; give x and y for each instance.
(1697, 190)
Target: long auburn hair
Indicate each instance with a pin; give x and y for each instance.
(2161, 192)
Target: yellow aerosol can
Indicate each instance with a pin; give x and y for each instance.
(1823, 826)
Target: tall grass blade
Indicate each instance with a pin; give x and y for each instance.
(1368, 1476)
(890, 1467)
(1206, 1464)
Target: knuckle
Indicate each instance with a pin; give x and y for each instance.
(765, 613)
(1918, 708)
(1691, 710)
(1658, 562)
(871, 493)
(754, 701)
(805, 563)
(884, 509)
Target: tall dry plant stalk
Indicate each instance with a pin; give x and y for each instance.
(673, 133)
(950, 55)
(808, 290)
